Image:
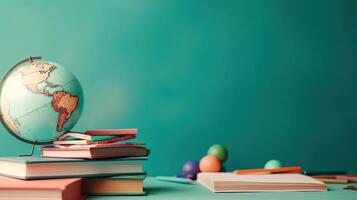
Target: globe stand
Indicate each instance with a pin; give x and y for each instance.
(31, 154)
(29, 59)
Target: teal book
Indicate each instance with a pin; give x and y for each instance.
(40, 168)
(123, 185)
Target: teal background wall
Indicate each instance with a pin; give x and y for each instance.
(268, 79)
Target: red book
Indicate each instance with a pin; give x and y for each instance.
(117, 132)
(87, 137)
(94, 151)
(66, 189)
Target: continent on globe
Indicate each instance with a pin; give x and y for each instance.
(36, 73)
(65, 105)
(5, 106)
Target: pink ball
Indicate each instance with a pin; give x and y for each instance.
(210, 164)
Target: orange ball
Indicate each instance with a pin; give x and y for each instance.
(210, 164)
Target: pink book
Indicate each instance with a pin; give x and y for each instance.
(64, 189)
(349, 177)
(94, 151)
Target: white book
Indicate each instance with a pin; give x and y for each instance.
(230, 182)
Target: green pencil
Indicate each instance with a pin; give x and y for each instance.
(174, 179)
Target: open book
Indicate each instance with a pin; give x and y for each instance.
(230, 182)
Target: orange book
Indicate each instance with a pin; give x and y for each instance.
(65, 189)
(295, 169)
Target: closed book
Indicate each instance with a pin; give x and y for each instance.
(124, 185)
(348, 177)
(40, 168)
(230, 182)
(95, 151)
(49, 189)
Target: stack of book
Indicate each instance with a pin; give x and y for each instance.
(71, 169)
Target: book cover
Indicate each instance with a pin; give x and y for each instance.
(66, 189)
(39, 168)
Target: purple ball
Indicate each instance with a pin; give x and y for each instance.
(190, 169)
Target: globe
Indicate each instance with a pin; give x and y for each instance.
(39, 100)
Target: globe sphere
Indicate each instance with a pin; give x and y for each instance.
(39, 100)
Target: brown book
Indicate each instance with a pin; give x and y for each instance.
(93, 151)
(116, 185)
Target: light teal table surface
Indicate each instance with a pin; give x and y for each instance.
(164, 190)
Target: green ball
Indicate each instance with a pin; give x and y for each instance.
(271, 164)
(219, 152)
